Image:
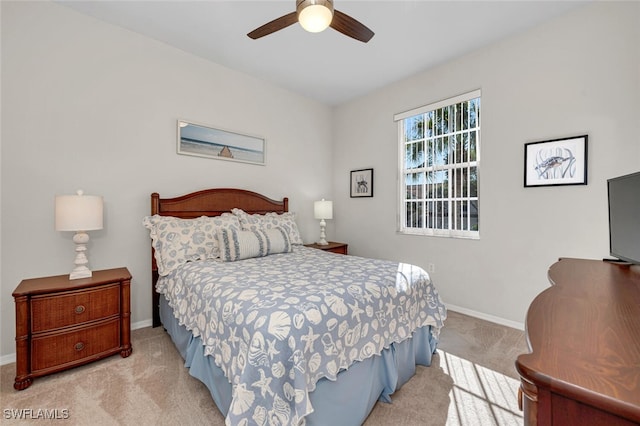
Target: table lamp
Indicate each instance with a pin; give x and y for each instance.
(323, 210)
(79, 213)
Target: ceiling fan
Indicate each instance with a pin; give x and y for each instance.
(315, 16)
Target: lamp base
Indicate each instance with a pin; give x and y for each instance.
(81, 270)
(323, 241)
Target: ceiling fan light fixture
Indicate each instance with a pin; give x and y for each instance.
(315, 15)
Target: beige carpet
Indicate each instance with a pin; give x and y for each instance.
(472, 381)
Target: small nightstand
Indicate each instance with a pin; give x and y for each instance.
(62, 323)
(340, 248)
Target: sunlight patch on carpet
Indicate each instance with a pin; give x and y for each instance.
(480, 396)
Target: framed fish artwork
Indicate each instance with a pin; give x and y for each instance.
(556, 162)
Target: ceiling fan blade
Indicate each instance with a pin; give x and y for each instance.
(350, 27)
(275, 25)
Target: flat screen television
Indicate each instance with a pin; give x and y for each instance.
(624, 217)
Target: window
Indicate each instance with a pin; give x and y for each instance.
(439, 160)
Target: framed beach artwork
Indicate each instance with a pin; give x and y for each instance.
(361, 183)
(556, 162)
(203, 141)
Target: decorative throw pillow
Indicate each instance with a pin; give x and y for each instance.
(238, 245)
(177, 241)
(287, 221)
(211, 225)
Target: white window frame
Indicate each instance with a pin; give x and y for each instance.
(451, 199)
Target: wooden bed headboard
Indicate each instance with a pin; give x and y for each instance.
(208, 202)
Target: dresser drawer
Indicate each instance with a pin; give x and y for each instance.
(75, 307)
(53, 350)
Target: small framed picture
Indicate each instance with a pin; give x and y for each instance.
(361, 183)
(556, 162)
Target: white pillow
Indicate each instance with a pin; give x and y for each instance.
(253, 222)
(177, 241)
(238, 245)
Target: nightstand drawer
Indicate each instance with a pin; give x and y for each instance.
(75, 307)
(56, 350)
(332, 246)
(342, 249)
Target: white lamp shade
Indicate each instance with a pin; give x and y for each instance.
(78, 212)
(323, 209)
(315, 17)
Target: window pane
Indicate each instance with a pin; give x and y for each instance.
(445, 182)
(463, 138)
(473, 112)
(414, 128)
(448, 120)
(415, 186)
(460, 217)
(441, 151)
(439, 182)
(465, 115)
(473, 181)
(465, 215)
(464, 178)
(429, 118)
(414, 214)
(436, 215)
(442, 215)
(472, 146)
(414, 155)
(457, 147)
(473, 215)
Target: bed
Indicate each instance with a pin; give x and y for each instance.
(278, 332)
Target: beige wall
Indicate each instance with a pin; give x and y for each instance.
(579, 74)
(93, 106)
(88, 105)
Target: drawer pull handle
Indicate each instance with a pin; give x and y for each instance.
(520, 399)
(80, 309)
(79, 346)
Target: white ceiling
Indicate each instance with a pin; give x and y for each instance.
(410, 37)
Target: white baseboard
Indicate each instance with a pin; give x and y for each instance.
(8, 359)
(486, 317)
(142, 324)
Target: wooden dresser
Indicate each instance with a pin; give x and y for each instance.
(62, 323)
(584, 337)
(333, 247)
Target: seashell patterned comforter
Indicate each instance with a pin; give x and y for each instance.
(276, 325)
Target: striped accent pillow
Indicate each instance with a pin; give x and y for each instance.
(238, 245)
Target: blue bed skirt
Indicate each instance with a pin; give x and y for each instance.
(346, 401)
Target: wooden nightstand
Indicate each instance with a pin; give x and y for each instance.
(62, 323)
(340, 248)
